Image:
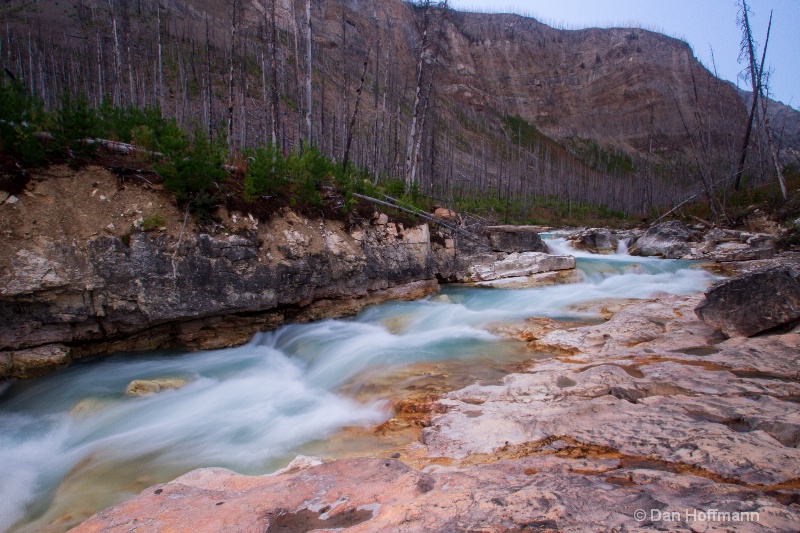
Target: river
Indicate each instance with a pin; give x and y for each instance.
(73, 442)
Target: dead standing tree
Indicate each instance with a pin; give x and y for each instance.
(117, 92)
(412, 132)
(309, 71)
(759, 82)
(274, 69)
(352, 127)
(748, 50)
(770, 139)
(230, 76)
(428, 52)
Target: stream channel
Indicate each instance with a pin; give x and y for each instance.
(73, 443)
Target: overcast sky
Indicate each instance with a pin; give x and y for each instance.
(704, 24)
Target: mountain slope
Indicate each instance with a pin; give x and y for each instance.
(508, 108)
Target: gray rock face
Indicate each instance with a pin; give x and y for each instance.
(510, 239)
(753, 302)
(213, 291)
(454, 255)
(667, 239)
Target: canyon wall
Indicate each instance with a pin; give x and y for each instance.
(75, 282)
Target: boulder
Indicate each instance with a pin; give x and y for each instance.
(454, 255)
(597, 240)
(88, 407)
(510, 239)
(380, 219)
(301, 462)
(667, 239)
(753, 302)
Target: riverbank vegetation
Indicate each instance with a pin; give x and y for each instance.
(204, 174)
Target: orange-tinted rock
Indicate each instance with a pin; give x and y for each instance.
(445, 214)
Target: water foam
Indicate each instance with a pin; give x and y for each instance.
(251, 408)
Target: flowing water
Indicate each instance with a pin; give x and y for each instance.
(73, 442)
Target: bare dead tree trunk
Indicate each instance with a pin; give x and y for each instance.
(271, 134)
(160, 61)
(309, 69)
(264, 97)
(773, 149)
(437, 48)
(418, 140)
(244, 84)
(230, 78)
(376, 134)
(351, 129)
(101, 89)
(117, 99)
(133, 98)
(755, 79)
(209, 91)
(706, 180)
(412, 132)
(274, 66)
(296, 29)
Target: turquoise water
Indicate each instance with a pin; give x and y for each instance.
(73, 442)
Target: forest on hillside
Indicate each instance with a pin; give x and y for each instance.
(376, 90)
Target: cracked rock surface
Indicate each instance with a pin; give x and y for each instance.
(650, 421)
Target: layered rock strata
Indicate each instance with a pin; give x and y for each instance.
(60, 300)
(68, 290)
(518, 265)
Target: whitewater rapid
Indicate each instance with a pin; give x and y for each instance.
(252, 408)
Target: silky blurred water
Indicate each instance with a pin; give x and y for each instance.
(73, 442)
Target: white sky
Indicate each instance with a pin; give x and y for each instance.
(704, 24)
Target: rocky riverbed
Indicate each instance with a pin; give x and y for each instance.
(653, 420)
